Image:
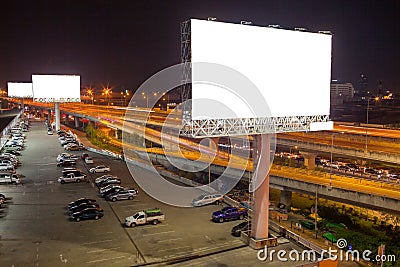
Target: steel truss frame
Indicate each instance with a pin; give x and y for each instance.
(235, 126)
(226, 127)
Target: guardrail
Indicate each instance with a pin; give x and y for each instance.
(357, 153)
(295, 237)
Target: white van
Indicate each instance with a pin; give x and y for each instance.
(7, 178)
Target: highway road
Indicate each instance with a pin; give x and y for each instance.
(196, 150)
(354, 137)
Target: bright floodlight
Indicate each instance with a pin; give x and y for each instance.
(56, 88)
(20, 90)
(291, 69)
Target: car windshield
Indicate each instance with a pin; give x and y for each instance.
(200, 197)
(225, 209)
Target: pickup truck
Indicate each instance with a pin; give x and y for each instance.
(72, 177)
(153, 216)
(228, 214)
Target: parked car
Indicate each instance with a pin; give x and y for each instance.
(9, 178)
(64, 156)
(72, 177)
(14, 152)
(104, 177)
(66, 162)
(122, 194)
(87, 214)
(80, 201)
(7, 167)
(100, 169)
(74, 147)
(8, 147)
(153, 216)
(110, 189)
(109, 181)
(228, 214)
(84, 155)
(89, 160)
(206, 199)
(238, 229)
(83, 206)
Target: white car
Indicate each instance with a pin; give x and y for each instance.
(89, 160)
(103, 178)
(100, 169)
(206, 199)
(64, 156)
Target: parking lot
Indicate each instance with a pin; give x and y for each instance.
(35, 230)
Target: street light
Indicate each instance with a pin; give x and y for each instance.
(91, 94)
(366, 126)
(107, 92)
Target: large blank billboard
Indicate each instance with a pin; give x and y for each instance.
(290, 69)
(20, 90)
(56, 88)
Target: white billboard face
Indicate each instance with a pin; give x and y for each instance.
(20, 90)
(290, 69)
(56, 88)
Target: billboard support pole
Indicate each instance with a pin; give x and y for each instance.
(261, 164)
(57, 114)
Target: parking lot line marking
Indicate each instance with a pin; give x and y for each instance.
(172, 239)
(159, 233)
(134, 205)
(102, 241)
(100, 250)
(120, 257)
(155, 226)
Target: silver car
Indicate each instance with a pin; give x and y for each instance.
(123, 194)
(206, 199)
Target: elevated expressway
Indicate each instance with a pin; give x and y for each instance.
(383, 145)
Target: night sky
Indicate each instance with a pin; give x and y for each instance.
(122, 43)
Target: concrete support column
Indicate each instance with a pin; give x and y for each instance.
(309, 159)
(286, 198)
(260, 183)
(57, 114)
(76, 122)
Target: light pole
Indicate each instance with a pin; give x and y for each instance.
(107, 92)
(91, 94)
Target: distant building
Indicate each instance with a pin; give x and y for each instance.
(340, 90)
(363, 85)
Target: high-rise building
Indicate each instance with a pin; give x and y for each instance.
(343, 91)
(363, 85)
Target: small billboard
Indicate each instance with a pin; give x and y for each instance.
(56, 88)
(19, 89)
